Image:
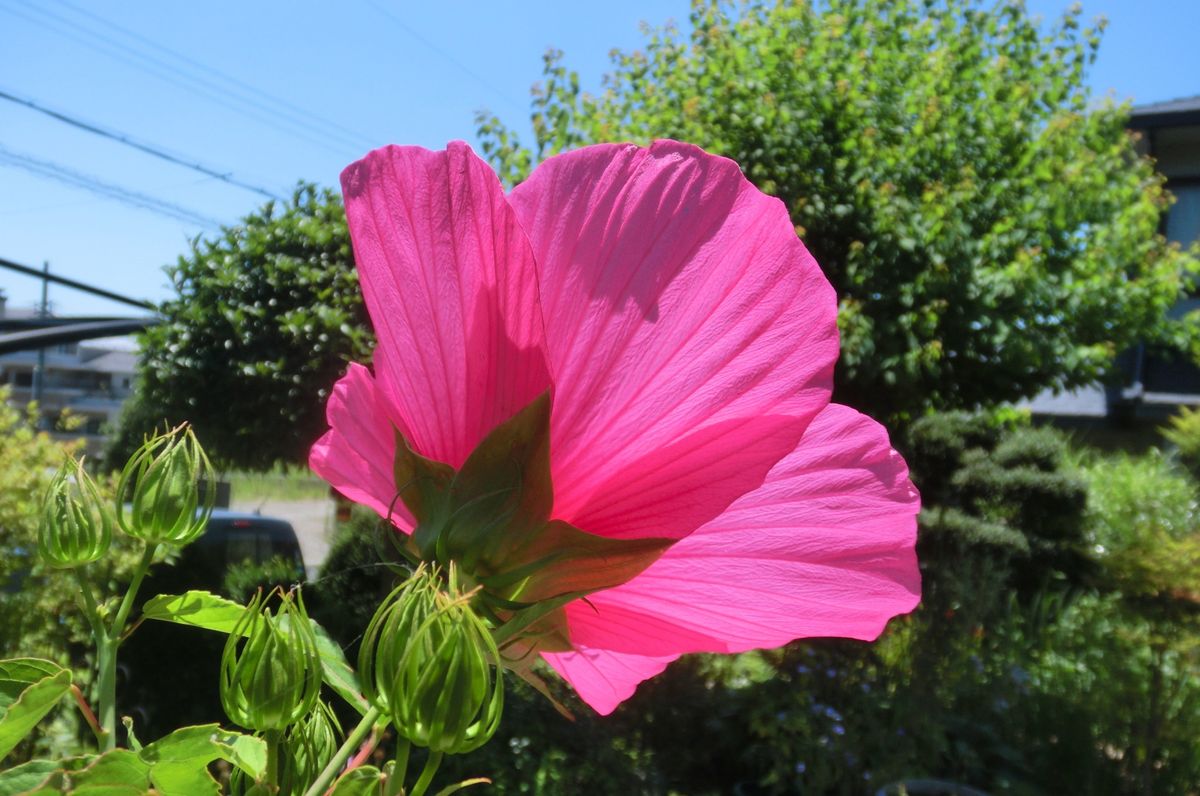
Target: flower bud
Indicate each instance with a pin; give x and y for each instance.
(165, 476)
(429, 662)
(310, 744)
(75, 526)
(270, 670)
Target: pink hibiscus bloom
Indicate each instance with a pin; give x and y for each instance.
(687, 339)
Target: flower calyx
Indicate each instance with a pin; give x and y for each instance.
(430, 663)
(168, 505)
(75, 524)
(271, 669)
(492, 519)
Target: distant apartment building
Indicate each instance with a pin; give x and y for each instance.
(89, 380)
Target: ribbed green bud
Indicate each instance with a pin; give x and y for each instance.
(76, 524)
(429, 662)
(310, 744)
(270, 670)
(165, 476)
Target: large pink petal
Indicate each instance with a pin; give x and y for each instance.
(356, 454)
(825, 547)
(605, 679)
(450, 285)
(690, 335)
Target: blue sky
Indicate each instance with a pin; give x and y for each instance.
(315, 85)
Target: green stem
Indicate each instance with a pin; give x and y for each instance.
(131, 593)
(330, 772)
(395, 785)
(273, 739)
(106, 690)
(106, 651)
(431, 767)
(90, 608)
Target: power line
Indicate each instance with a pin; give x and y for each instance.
(55, 171)
(217, 94)
(483, 81)
(129, 141)
(357, 137)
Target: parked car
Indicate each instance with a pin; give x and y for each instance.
(231, 538)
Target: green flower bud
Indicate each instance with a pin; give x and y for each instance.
(310, 744)
(75, 526)
(165, 476)
(429, 662)
(270, 670)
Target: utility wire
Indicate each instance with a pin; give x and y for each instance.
(355, 136)
(156, 67)
(129, 141)
(483, 81)
(55, 171)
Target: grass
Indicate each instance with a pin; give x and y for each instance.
(276, 485)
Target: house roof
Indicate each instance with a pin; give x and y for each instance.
(1171, 113)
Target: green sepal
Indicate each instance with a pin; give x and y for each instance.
(492, 518)
(29, 689)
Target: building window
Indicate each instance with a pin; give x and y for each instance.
(23, 378)
(1183, 219)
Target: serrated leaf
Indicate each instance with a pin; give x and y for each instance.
(16, 674)
(30, 706)
(361, 781)
(336, 671)
(114, 773)
(196, 608)
(27, 776)
(193, 748)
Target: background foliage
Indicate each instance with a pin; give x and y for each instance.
(264, 320)
(989, 231)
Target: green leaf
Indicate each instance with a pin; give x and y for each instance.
(27, 776)
(196, 608)
(18, 673)
(179, 761)
(361, 781)
(336, 671)
(466, 783)
(31, 705)
(114, 773)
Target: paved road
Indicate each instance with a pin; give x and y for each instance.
(312, 519)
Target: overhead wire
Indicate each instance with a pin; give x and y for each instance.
(354, 136)
(130, 141)
(230, 99)
(483, 81)
(77, 179)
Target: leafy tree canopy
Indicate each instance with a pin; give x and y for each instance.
(264, 319)
(989, 230)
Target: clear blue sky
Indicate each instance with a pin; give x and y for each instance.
(351, 75)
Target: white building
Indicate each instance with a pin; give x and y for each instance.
(90, 380)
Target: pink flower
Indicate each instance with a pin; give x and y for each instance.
(688, 341)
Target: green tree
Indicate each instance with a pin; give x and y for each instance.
(264, 319)
(990, 232)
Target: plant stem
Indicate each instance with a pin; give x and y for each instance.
(106, 650)
(431, 767)
(399, 771)
(88, 715)
(327, 775)
(273, 739)
(90, 609)
(131, 593)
